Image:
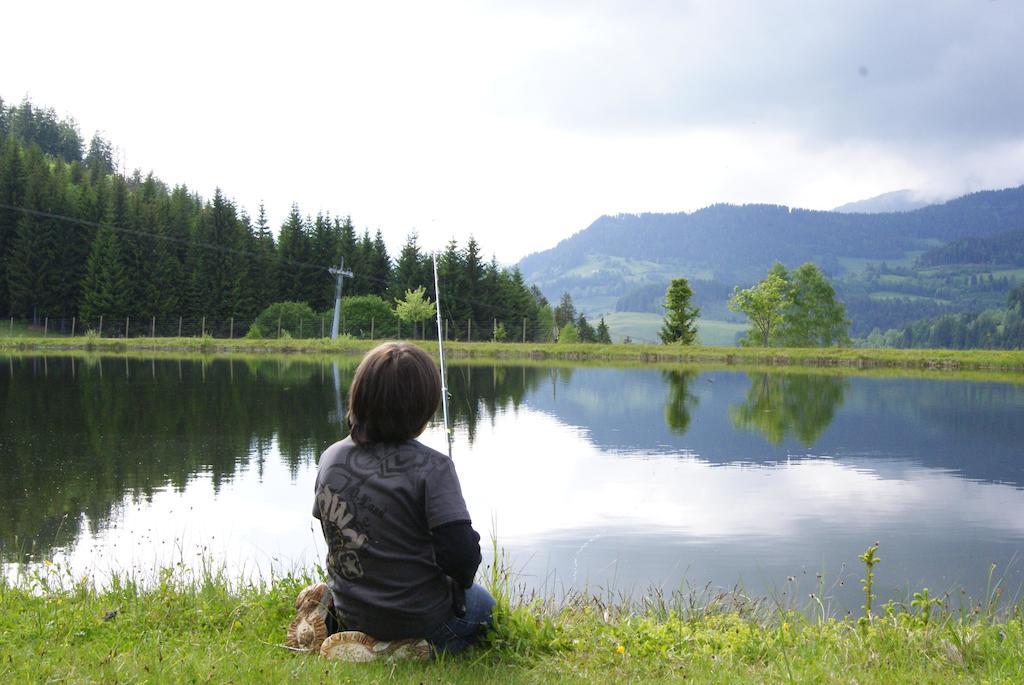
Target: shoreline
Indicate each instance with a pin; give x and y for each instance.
(1005, 361)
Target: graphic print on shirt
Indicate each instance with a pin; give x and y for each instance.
(343, 541)
(346, 510)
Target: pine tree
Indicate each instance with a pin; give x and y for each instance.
(565, 312)
(100, 158)
(219, 265)
(356, 260)
(138, 243)
(32, 276)
(167, 282)
(292, 252)
(409, 273)
(680, 324)
(545, 328)
(12, 189)
(603, 335)
(473, 280)
(262, 273)
(73, 241)
(451, 274)
(326, 251)
(584, 331)
(105, 283)
(380, 266)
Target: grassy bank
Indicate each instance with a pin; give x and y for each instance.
(183, 628)
(949, 360)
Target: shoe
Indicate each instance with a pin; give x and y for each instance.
(354, 646)
(309, 627)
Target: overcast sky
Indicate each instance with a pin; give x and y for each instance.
(522, 122)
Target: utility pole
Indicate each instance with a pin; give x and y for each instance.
(341, 274)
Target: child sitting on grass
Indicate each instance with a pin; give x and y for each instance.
(401, 550)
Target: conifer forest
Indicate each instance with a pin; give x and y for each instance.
(82, 243)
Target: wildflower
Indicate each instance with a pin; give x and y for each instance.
(620, 649)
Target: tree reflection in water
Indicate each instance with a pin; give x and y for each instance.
(81, 434)
(789, 404)
(680, 400)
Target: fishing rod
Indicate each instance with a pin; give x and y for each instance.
(440, 354)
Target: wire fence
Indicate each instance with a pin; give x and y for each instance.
(467, 330)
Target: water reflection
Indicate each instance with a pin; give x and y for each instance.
(81, 435)
(783, 404)
(680, 400)
(615, 476)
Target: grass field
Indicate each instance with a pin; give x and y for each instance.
(893, 295)
(643, 327)
(200, 628)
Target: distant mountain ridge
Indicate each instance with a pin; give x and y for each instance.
(734, 244)
(896, 201)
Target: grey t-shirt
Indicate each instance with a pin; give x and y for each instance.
(377, 505)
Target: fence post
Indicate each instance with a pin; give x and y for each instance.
(494, 330)
(231, 328)
(279, 327)
(152, 328)
(446, 330)
(46, 326)
(12, 327)
(321, 326)
(73, 321)
(300, 326)
(179, 326)
(126, 328)
(101, 326)
(203, 333)
(372, 321)
(469, 330)
(524, 329)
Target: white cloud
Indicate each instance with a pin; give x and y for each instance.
(523, 123)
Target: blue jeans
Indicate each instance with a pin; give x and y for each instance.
(457, 634)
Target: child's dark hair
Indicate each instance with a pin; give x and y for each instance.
(395, 391)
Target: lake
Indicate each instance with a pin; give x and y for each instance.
(609, 480)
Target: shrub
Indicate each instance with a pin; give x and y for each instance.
(292, 316)
(362, 315)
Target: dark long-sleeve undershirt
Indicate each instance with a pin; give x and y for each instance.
(457, 551)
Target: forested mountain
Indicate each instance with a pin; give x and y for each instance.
(741, 242)
(621, 262)
(1002, 248)
(79, 240)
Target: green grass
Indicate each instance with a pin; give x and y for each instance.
(1012, 274)
(892, 279)
(186, 627)
(640, 326)
(895, 295)
(644, 327)
(1006, 362)
(855, 265)
(714, 333)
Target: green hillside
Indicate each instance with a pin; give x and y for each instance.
(889, 268)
